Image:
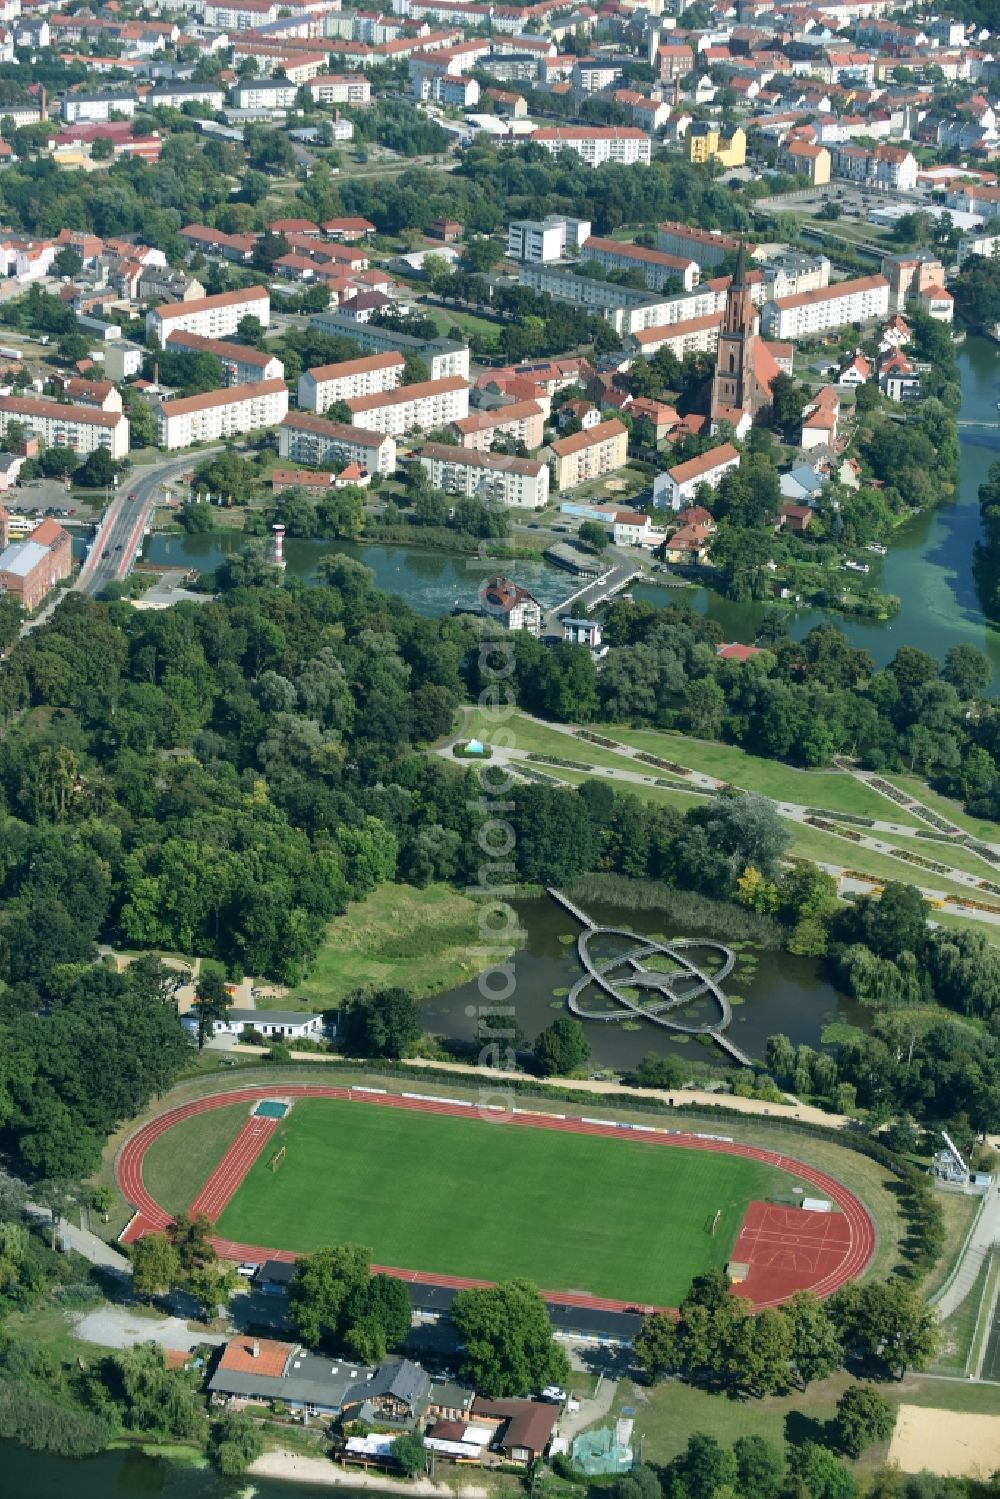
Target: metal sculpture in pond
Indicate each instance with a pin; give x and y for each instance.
(649, 993)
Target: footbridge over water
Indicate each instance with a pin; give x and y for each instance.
(637, 973)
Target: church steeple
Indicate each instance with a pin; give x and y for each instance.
(733, 389)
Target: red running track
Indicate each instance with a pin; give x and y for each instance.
(765, 1286)
(233, 1167)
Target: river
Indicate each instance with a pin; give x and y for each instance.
(131, 1474)
(929, 565)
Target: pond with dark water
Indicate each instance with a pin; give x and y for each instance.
(771, 992)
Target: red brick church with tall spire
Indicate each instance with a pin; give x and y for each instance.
(745, 365)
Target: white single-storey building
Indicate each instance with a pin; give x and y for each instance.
(279, 1025)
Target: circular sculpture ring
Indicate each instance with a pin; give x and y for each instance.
(639, 976)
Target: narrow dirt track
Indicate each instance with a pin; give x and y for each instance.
(227, 1176)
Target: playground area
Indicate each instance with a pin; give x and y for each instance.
(596, 1212)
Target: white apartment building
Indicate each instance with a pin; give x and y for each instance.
(698, 335)
(326, 383)
(814, 312)
(656, 266)
(498, 478)
(984, 242)
(85, 109)
(264, 93)
(425, 405)
(709, 468)
(80, 428)
(340, 88)
(520, 421)
(212, 317)
(623, 144)
(221, 413)
(242, 364)
(240, 15)
(311, 439)
(541, 241)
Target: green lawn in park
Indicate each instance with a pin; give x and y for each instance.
(611, 1217)
(834, 790)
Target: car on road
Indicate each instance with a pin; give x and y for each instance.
(132, 495)
(106, 552)
(248, 1270)
(118, 547)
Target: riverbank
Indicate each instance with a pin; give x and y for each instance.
(292, 1467)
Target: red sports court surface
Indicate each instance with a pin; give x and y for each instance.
(787, 1249)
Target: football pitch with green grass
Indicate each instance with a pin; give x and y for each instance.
(465, 1197)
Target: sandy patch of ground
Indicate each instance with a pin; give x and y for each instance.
(290, 1466)
(945, 1442)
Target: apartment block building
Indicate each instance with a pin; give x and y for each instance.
(708, 247)
(684, 479)
(443, 356)
(626, 308)
(220, 413)
(305, 438)
(425, 405)
(213, 317)
(814, 312)
(498, 478)
(80, 428)
(541, 241)
(520, 421)
(242, 364)
(86, 109)
(588, 455)
(625, 145)
(909, 275)
(698, 335)
(326, 383)
(659, 268)
(340, 88)
(264, 93)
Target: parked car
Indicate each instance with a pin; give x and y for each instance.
(554, 1394)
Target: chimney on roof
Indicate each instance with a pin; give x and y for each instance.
(256, 1348)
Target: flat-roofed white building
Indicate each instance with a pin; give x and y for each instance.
(242, 364)
(312, 439)
(221, 413)
(522, 483)
(543, 240)
(425, 405)
(684, 479)
(340, 88)
(80, 428)
(320, 386)
(595, 144)
(213, 317)
(813, 312)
